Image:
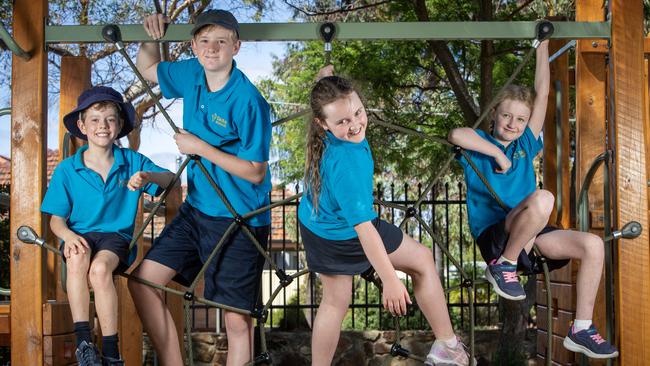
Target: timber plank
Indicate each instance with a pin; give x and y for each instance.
(28, 147)
(59, 350)
(633, 278)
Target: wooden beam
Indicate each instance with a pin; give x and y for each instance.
(591, 80)
(558, 166)
(75, 78)
(129, 325)
(28, 162)
(633, 277)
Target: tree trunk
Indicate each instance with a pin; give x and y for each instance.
(515, 316)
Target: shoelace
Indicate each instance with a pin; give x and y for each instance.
(597, 338)
(510, 277)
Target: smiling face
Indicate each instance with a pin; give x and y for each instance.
(510, 120)
(101, 124)
(346, 118)
(215, 47)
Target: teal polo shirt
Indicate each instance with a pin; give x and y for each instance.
(512, 187)
(345, 198)
(235, 119)
(89, 204)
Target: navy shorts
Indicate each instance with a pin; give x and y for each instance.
(345, 257)
(233, 277)
(113, 242)
(492, 243)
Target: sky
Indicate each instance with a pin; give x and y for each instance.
(254, 59)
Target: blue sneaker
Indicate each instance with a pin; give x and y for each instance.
(590, 343)
(87, 354)
(504, 278)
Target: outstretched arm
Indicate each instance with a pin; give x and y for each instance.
(395, 295)
(542, 87)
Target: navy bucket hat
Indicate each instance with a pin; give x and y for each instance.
(98, 94)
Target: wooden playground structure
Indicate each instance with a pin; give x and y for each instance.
(611, 99)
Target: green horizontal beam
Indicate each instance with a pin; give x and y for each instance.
(345, 31)
(5, 111)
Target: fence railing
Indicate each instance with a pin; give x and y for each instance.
(443, 210)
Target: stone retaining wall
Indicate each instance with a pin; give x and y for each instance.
(370, 348)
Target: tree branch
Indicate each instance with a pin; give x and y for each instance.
(311, 13)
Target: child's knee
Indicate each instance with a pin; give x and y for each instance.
(593, 246)
(77, 264)
(237, 324)
(543, 202)
(100, 273)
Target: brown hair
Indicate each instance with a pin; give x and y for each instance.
(327, 90)
(514, 92)
(100, 106)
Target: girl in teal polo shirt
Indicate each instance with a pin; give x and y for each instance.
(506, 237)
(343, 236)
(93, 199)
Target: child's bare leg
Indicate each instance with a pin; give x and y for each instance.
(589, 248)
(154, 314)
(77, 286)
(239, 330)
(417, 260)
(526, 220)
(337, 293)
(101, 279)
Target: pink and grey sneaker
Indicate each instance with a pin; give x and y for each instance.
(590, 343)
(503, 276)
(443, 355)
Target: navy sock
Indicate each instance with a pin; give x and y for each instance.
(82, 331)
(109, 346)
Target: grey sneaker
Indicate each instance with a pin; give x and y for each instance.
(87, 354)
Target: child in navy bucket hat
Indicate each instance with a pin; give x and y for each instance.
(93, 199)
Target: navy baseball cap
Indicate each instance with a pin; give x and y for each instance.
(220, 17)
(98, 94)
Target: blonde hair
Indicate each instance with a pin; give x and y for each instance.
(513, 92)
(327, 90)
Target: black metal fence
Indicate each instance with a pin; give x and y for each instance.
(443, 210)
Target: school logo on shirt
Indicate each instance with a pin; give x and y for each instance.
(218, 120)
(122, 183)
(519, 154)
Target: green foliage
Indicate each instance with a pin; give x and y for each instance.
(403, 82)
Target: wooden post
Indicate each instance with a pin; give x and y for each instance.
(75, 78)
(633, 277)
(559, 76)
(129, 325)
(28, 147)
(591, 99)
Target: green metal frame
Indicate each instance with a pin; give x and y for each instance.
(345, 31)
(5, 111)
(12, 45)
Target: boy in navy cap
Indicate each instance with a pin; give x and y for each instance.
(227, 124)
(93, 199)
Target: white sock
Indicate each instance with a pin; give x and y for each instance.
(579, 325)
(451, 342)
(504, 259)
